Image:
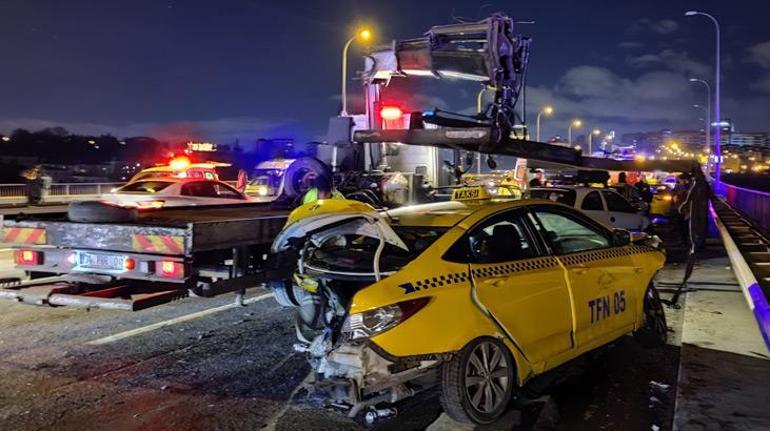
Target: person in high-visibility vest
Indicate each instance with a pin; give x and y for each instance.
(322, 189)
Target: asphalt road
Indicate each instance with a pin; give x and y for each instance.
(234, 368)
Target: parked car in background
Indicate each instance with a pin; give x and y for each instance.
(602, 204)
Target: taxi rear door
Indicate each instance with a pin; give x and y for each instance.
(601, 276)
(520, 285)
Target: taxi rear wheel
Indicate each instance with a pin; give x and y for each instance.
(477, 384)
(654, 330)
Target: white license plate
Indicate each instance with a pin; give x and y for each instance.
(101, 261)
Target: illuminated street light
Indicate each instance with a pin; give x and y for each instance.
(576, 124)
(547, 110)
(6, 138)
(593, 133)
(717, 114)
(365, 35)
(708, 115)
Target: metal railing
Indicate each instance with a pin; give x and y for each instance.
(58, 190)
(752, 204)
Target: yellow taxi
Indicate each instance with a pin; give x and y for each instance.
(476, 295)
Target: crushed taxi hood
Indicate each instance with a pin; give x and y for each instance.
(336, 216)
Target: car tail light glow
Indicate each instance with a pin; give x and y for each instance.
(171, 269)
(28, 257)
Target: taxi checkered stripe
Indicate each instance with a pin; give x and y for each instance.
(511, 267)
(607, 253)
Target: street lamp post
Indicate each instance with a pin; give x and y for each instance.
(717, 114)
(364, 35)
(576, 124)
(593, 133)
(708, 122)
(547, 110)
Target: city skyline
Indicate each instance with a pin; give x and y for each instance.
(189, 69)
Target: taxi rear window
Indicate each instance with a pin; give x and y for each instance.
(566, 197)
(417, 239)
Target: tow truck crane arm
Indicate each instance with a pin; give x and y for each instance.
(490, 53)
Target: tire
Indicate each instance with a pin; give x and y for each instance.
(476, 391)
(300, 174)
(99, 212)
(654, 331)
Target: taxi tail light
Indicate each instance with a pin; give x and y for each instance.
(372, 322)
(170, 269)
(28, 257)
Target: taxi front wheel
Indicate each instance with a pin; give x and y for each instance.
(477, 384)
(654, 330)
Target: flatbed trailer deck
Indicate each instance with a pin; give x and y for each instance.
(161, 256)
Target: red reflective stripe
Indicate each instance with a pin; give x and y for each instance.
(144, 243)
(170, 244)
(12, 234)
(34, 236)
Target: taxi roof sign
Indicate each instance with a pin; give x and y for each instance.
(470, 194)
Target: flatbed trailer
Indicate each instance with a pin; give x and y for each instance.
(161, 256)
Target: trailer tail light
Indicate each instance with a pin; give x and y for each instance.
(171, 269)
(129, 264)
(28, 257)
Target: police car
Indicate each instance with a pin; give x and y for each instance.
(475, 295)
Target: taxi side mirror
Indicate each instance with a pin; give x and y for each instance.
(621, 237)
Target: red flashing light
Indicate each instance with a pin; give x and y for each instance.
(171, 269)
(391, 113)
(179, 163)
(28, 257)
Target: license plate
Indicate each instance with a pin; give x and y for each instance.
(101, 261)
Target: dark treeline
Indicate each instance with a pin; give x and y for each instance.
(57, 145)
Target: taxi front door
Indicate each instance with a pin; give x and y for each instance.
(522, 287)
(601, 277)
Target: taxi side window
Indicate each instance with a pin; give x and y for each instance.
(501, 239)
(615, 202)
(592, 202)
(569, 232)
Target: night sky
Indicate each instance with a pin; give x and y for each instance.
(245, 69)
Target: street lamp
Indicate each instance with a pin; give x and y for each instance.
(575, 124)
(717, 114)
(547, 110)
(593, 133)
(365, 35)
(708, 116)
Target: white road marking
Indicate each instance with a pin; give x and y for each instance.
(185, 318)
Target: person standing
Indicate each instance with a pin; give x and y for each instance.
(694, 209)
(539, 180)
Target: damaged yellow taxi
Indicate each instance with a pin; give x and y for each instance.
(475, 295)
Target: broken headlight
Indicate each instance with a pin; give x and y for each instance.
(372, 322)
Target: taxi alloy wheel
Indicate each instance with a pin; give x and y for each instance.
(477, 385)
(654, 332)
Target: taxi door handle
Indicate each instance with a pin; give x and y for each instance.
(579, 269)
(494, 283)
